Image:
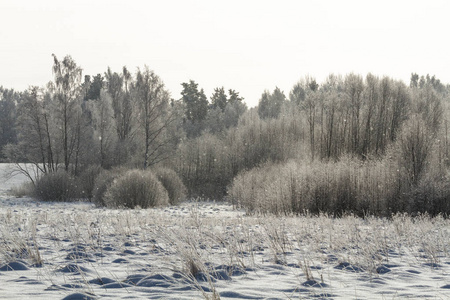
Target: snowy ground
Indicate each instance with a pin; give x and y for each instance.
(208, 250)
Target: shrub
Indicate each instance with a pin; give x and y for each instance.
(172, 183)
(415, 148)
(431, 196)
(209, 163)
(336, 188)
(56, 186)
(23, 190)
(102, 183)
(136, 188)
(263, 189)
(86, 180)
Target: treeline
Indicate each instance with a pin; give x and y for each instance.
(115, 119)
(351, 144)
(84, 133)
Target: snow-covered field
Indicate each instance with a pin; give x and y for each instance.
(211, 251)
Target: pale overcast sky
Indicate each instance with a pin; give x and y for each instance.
(248, 46)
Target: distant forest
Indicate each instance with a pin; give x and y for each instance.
(351, 144)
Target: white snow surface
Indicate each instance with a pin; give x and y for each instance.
(209, 250)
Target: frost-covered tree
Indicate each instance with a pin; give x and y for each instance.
(270, 104)
(66, 107)
(195, 101)
(8, 101)
(152, 100)
(219, 99)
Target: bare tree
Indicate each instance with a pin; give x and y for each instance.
(354, 87)
(119, 87)
(35, 138)
(310, 106)
(370, 99)
(66, 92)
(152, 102)
(103, 130)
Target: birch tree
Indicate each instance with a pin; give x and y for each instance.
(66, 96)
(152, 101)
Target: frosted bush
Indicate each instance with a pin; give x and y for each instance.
(173, 184)
(136, 188)
(56, 186)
